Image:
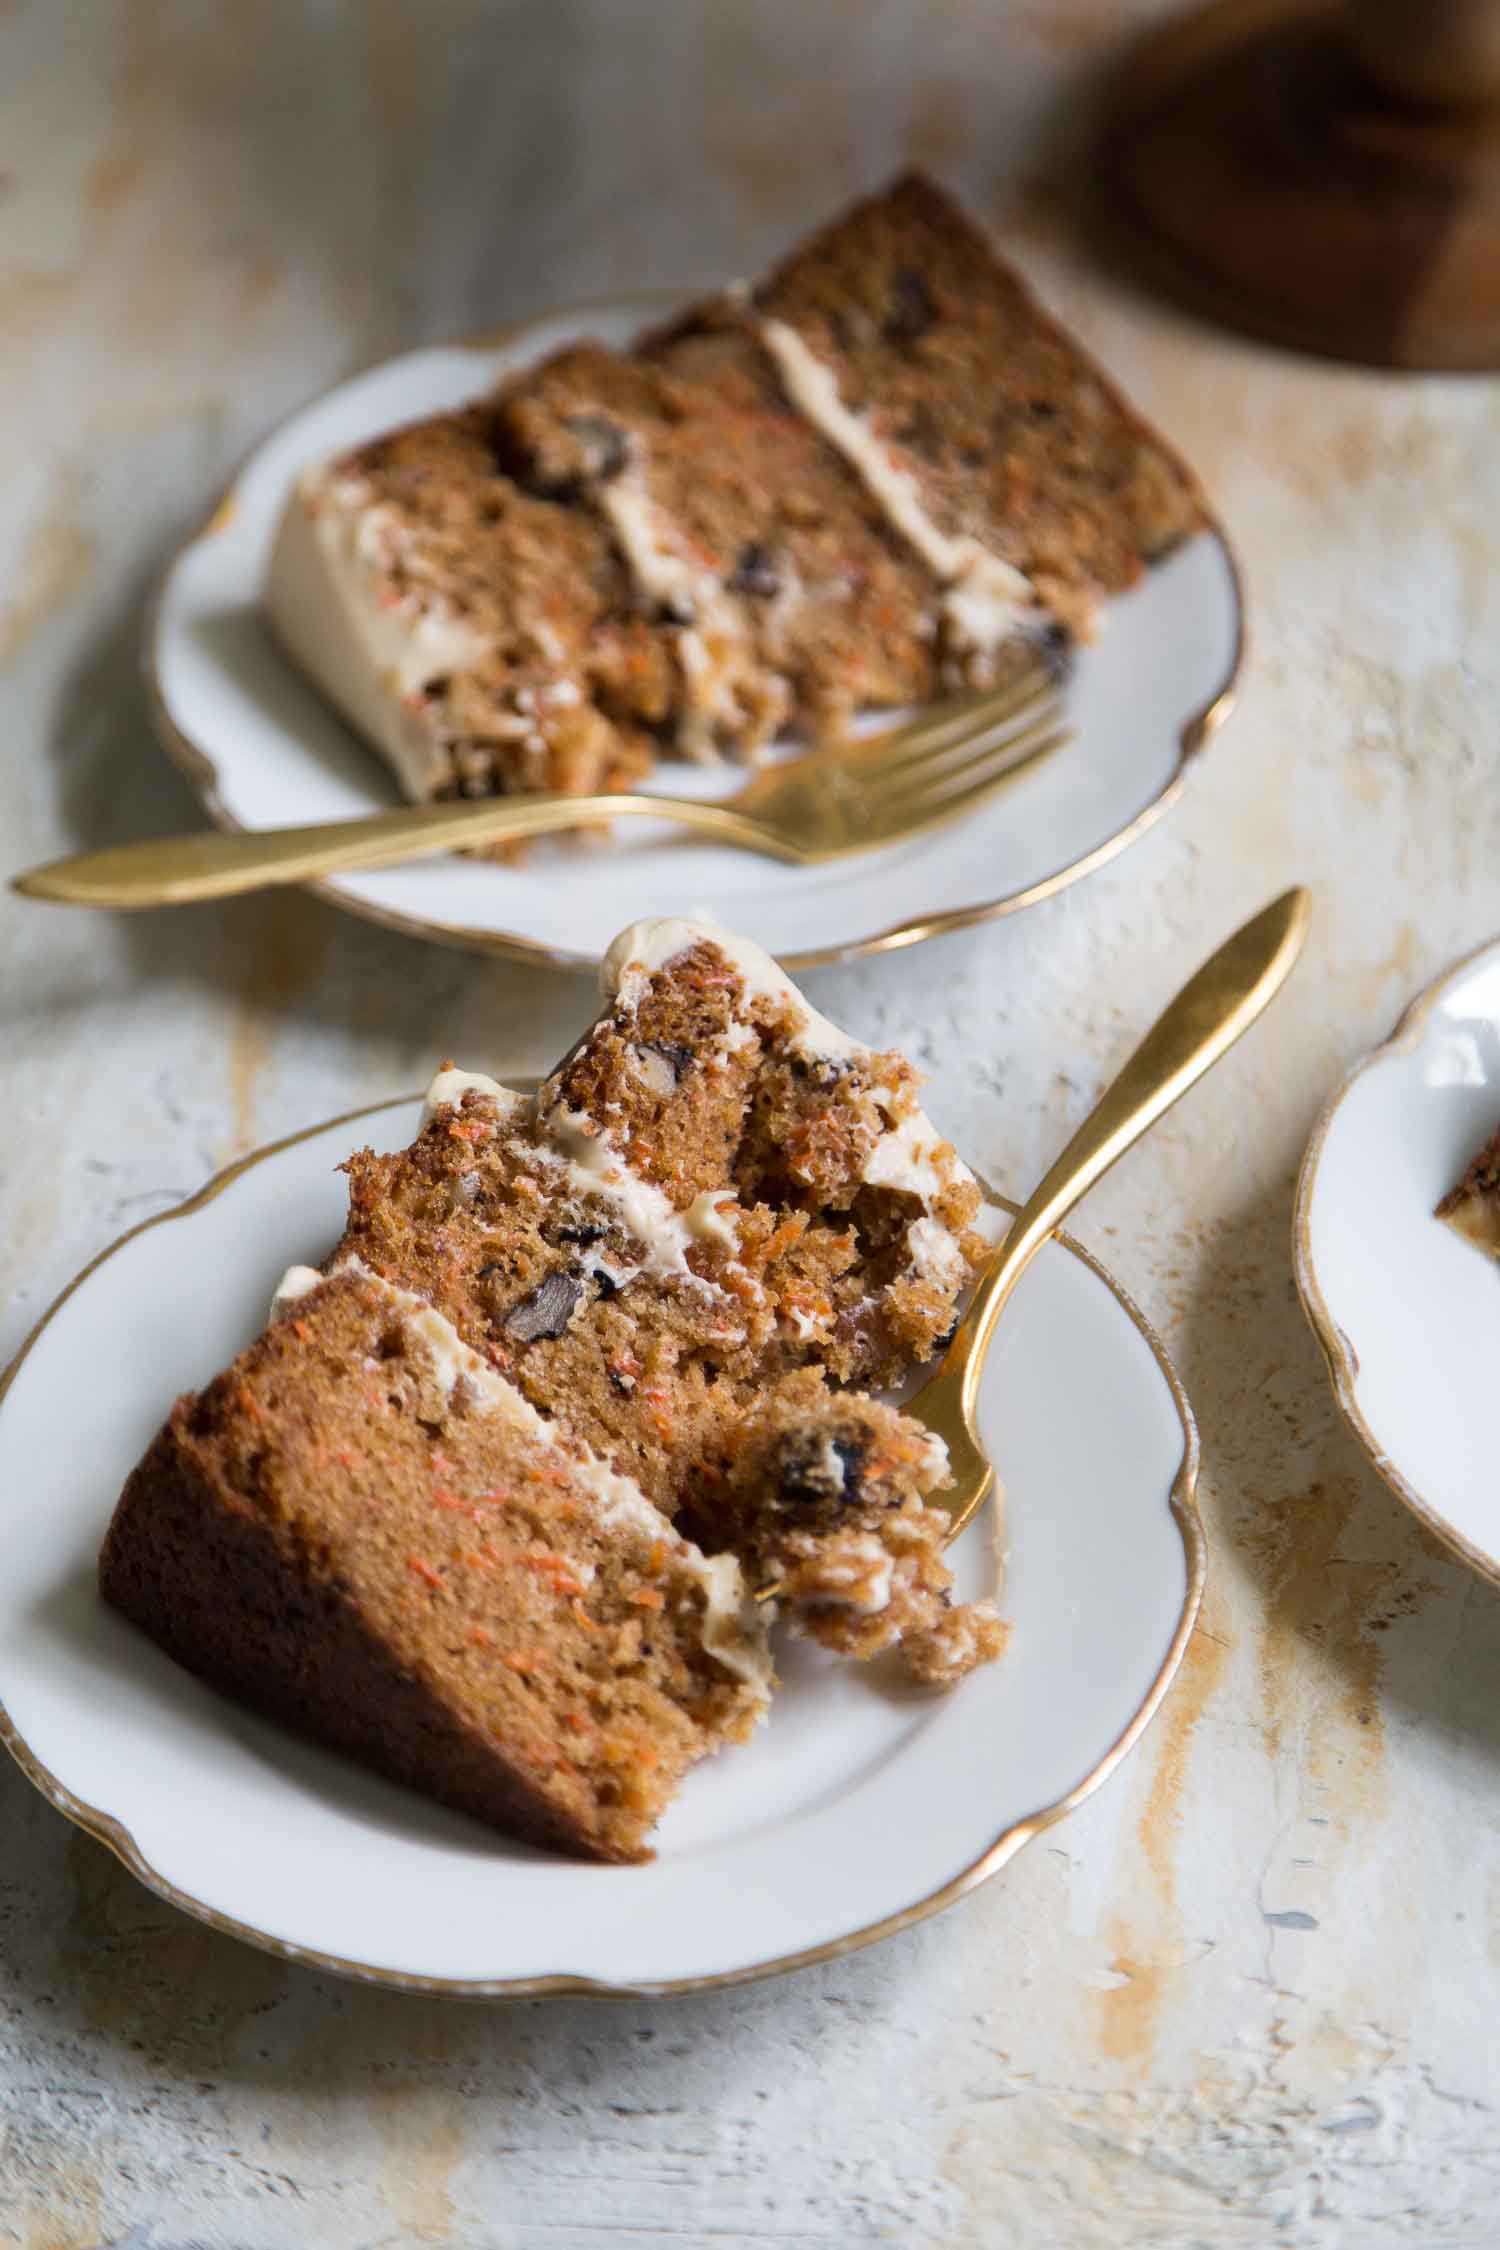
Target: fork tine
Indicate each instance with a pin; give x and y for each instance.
(950, 723)
(939, 811)
(995, 751)
(958, 716)
(981, 752)
(1016, 729)
(911, 811)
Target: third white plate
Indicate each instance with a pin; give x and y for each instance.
(1407, 1313)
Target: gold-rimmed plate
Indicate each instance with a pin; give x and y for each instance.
(1407, 1312)
(263, 750)
(858, 1809)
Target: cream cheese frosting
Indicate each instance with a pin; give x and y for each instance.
(860, 1576)
(910, 1157)
(328, 597)
(451, 1085)
(905, 1157)
(646, 946)
(295, 1284)
(574, 1146)
(709, 633)
(593, 1166)
(985, 600)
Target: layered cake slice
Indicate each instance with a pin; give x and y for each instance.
(480, 637)
(785, 594)
(881, 474)
(488, 1502)
(363, 1530)
(1472, 1206)
(1011, 461)
(715, 1197)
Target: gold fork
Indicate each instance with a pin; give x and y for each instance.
(1200, 1025)
(851, 797)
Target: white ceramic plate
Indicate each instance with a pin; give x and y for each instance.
(263, 750)
(859, 1807)
(1407, 1313)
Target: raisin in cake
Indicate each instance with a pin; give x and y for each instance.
(880, 474)
(484, 1504)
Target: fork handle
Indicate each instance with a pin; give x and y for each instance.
(176, 870)
(1207, 1016)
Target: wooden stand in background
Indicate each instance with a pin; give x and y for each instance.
(1325, 176)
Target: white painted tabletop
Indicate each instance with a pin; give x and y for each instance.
(1248, 1995)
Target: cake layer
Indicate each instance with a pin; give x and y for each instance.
(484, 639)
(363, 1530)
(715, 1188)
(923, 353)
(482, 1504)
(788, 598)
(715, 1202)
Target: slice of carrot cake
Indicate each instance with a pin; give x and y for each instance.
(364, 1530)
(1016, 467)
(482, 638)
(483, 1505)
(882, 473)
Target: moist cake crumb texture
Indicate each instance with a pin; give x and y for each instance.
(487, 1503)
(880, 474)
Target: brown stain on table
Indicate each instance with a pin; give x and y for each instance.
(424, 2142)
(73, 2216)
(29, 299)
(1320, 1661)
(1160, 1822)
(1128, 2012)
(115, 179)
(289, 956)
(1146, 1941)
(57, 557)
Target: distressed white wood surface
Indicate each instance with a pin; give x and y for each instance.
(1245, 1998)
